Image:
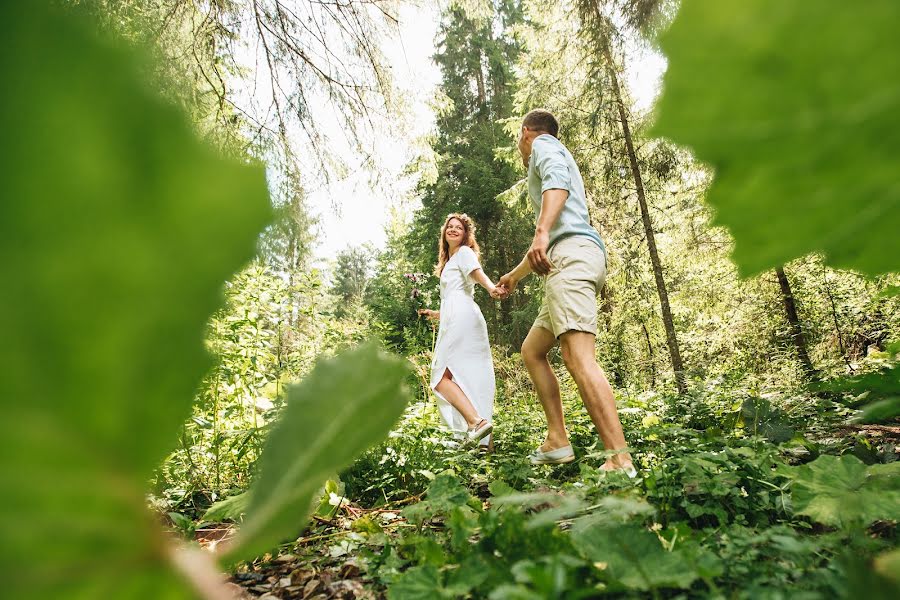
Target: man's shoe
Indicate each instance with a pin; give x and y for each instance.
(558, 456)
(628, 470)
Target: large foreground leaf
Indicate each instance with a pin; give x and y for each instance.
(117, 229)
(797, 107)
(632, 555)
(344, 406)
(842, 491)
(879, 390)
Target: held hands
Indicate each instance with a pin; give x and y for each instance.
(537, 254)
(505, 287)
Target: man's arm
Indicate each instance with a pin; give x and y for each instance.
(550, 165)
(552, 203)
(551, 206)
(508, 282)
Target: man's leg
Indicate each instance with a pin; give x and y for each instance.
(596, 393)
(534, 352)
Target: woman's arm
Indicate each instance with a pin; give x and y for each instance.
(482, 280)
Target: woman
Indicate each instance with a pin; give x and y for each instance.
(462, 372)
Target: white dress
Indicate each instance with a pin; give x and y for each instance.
(462, 344)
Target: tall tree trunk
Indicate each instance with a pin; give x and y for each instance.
(834, 316)
(669, 323)
(790, 309)
(650, 355)
(479, 82)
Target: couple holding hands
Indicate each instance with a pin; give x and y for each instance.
(566, 250)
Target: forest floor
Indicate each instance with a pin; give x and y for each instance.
(419, 517)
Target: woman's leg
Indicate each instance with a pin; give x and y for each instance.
(457, 399)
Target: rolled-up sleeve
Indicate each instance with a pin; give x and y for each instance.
(468, 261)
(550, 165)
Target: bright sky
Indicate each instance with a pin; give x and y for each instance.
(364, 209)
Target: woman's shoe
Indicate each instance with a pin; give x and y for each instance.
(482, 429)
(558, 456)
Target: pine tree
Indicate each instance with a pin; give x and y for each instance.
(476, 56)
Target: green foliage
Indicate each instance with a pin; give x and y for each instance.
(270, 332)
(335, 413)
(880, 390)
(634, 557)
(352, 276)
(761, 418)
(715, 510)
(183, 524)
(118, 228)
(842, 491)
(802, 131)
(732, 484)
(763, 562)
(231, 508)
(444, 494)
(500, 559)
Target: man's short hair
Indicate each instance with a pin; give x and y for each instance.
(543, 121)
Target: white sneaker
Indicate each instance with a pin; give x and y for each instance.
(558, 456)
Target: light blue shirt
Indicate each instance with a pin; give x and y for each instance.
(551, 167)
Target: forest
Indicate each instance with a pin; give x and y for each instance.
(199, 405)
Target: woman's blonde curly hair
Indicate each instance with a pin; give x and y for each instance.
(468, 240)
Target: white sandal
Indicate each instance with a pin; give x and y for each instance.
(482, 429)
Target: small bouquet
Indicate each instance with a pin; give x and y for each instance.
(421, 300)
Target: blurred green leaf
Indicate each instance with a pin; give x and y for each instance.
(880, 411)
(117, 229)
(879, 390)
(890, 292)
(633, 556)
(888, 565)
(873, 580)
(795, 111)
(514, 592)
(232, 508)
(419, 583)
(445, 493)
(842, 491)
(340, 409)
(549, 575)
(500, 488)
(366, 524)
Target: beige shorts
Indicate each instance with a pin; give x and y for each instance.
(571, 288)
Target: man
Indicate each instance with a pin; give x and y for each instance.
(570, 253)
